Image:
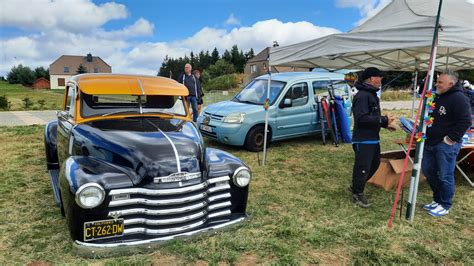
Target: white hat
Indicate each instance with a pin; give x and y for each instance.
(466, 84)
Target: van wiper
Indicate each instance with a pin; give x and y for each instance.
(120, 112)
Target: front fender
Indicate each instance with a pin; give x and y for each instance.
(220, 163)
(50, 144)
(79, 170)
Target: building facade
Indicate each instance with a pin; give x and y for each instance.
(258, 65)
(66, 66)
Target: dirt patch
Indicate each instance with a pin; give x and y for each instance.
(164, 260)
(246, 259)
(201, 263)
(39, 263)
(468, 232)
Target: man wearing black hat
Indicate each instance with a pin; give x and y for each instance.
(365, 137)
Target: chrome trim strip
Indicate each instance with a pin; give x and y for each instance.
(218, 197)
(120, 213)
(149, 202)
(178, 163)
(141, 230)
(165, 221)
(218, 214)
(219, 205)
(218, 188)
(91, 248)
(171, 191)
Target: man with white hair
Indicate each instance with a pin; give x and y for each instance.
(194, 88)
(452, 118)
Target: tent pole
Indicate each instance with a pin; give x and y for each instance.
(414, 93)
(267, 101)
(420, 145)
(415, 176)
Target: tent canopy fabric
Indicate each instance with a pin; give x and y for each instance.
(399, 38)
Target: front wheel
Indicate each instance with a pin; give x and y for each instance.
(254, 140)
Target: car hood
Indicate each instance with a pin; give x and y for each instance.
(145, 147)
(227, 107)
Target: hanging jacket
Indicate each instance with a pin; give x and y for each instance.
(452, 116)
(367, 117)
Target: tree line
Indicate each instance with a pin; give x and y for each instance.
(211, 64)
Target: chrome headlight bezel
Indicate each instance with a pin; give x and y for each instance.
(90, 187)
(242, 176)
(234, 118)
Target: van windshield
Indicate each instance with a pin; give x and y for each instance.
(256, 92)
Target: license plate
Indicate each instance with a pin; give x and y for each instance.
(103, 229)
(206, 128)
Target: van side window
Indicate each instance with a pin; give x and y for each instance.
(320, 87)
(298, 93)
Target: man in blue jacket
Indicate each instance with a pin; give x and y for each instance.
(365, 136)
(194, 88)
(452, 118)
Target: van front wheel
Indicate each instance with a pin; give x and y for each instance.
(254, 140)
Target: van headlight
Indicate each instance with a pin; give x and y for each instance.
(235, 118)
(90, 195)
(242, 176)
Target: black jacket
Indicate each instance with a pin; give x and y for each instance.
(452, 116)
(192, 83)
(367, 117)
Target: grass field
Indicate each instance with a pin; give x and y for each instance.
(16, 93)
(301, 214)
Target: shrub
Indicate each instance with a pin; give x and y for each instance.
(4, 103)
(41, 103)
(21, 74)
(27, 103)
(221, 67)
(224, 82)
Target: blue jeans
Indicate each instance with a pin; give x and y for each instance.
(438, 165)
(194, 105)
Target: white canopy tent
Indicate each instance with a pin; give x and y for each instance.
(399, 37)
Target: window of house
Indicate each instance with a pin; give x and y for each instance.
(253, 68)
(96, 70)
(61, 82)
(66, 70)
(298, 93)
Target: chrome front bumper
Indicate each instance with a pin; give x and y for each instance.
(106, 250)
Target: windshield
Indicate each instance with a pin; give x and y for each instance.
(110, 104)
(256, 92)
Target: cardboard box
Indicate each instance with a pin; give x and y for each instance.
(388, 173)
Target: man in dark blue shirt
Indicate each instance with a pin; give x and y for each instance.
(452, 118)
(194, 88)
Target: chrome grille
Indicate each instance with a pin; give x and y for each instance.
(155, 212)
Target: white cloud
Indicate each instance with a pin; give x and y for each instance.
(71, 15)
(367, 8)
(128, 56)
(231, 20)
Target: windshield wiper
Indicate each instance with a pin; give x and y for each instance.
(120, 111)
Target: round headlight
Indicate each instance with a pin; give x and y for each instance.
(242, 176)
(90, 195)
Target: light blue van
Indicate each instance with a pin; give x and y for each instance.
(293, 109)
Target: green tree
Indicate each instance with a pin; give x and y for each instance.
(21, 74)
(227, 56)
(249, 55)
(214, 56)
(221, 67)
(81, 69)
(41, 72)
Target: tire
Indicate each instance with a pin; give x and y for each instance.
(255, 138)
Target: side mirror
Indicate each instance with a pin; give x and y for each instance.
(286, 103)
(62, 114)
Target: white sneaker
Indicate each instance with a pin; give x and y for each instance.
(438, 211)
(431, 206)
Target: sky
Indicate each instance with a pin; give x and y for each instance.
(134, 36)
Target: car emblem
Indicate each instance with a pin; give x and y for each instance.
(115, 214)
(206, 120)
(177, 177)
